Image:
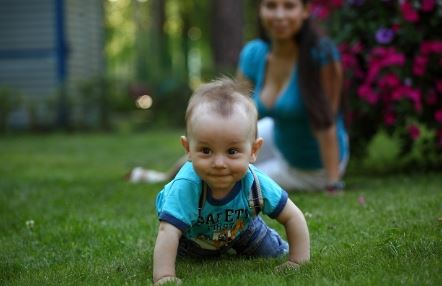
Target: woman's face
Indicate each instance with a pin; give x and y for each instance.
(282, 19)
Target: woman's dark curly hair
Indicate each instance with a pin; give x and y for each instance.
(317, 103)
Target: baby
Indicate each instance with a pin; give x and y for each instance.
(212, 206)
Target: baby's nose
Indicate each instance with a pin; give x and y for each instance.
(219, 161)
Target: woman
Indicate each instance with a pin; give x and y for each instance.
(296, 78)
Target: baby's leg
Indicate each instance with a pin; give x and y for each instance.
(264, 241)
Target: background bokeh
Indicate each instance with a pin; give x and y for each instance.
(130, 65)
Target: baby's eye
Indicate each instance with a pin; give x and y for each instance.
(205, 150)
(232, 151)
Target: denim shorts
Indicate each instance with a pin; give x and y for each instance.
(258, 240)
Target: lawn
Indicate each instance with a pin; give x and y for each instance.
(68, 218)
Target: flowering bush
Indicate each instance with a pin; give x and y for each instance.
(392, 56)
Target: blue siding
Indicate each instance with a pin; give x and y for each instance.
(49, 44)
(60, 42)
(27, 46)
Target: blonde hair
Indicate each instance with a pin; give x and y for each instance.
(222, 96)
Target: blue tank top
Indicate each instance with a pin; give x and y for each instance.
(293, 134)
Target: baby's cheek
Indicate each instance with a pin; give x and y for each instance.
(241, 167)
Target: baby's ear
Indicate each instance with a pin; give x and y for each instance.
(256, 146)
(185, 143)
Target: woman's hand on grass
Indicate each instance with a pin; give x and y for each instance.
(170, 280)
(286, 267)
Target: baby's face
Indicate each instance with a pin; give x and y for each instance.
(221, 148)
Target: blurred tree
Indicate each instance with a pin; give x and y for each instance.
(158, 54)
(185, 13)
(227, 33)
(141, 15)
(251, 19)
(163, 47)
(120, 38)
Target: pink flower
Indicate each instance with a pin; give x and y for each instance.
(348, 61)
(321, 12)
(429, 47)
(336, 3)
(394, 59)
(420, 65)
(408, 92)
(428, 5)
(387, 57)
(438, 116)
(398, 94)
(408, 12)
(414, 131)
(373, 71)
(418, 70)
(379, 52)
(439, 85)
(366, 93)
(395, 27)
(389, 118)
(415, 96)
(431, 98)
(357, 47)
(380, 58)
(389, 81)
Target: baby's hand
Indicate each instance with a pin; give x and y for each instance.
(168, 280)
(286, 267)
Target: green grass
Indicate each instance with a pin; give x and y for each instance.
(92, 228)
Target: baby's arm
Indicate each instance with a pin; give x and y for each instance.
(165, 251)
(297, 232)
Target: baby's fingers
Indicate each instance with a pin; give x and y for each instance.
(286, 267)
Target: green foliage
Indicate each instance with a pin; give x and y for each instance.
(68, 218)
(9, 101)
(170, 106)
(120, 37)
(152, 57)
(98, 102)
(94, 103)
(382, 152)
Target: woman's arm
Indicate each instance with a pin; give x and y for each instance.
(329, 148)
(331, 80)
(297, 232)
(165, 251)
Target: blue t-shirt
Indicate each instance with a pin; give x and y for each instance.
(221, 221)
(293, 134)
